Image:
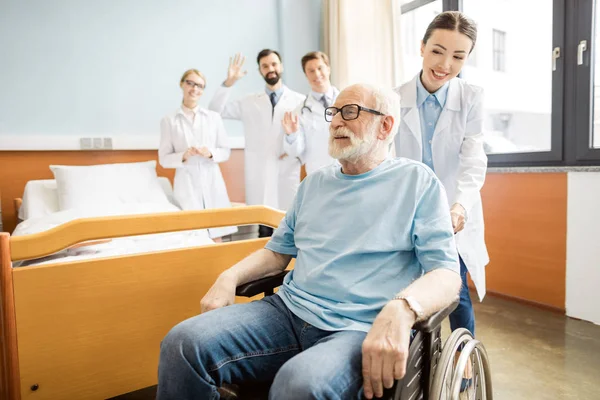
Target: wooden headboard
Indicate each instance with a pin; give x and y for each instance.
(25, 166)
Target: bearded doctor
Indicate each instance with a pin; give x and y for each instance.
(271, 175)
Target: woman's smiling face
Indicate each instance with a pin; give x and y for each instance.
(444, 55)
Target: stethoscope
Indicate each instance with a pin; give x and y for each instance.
(305, 106)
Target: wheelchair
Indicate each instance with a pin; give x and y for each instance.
(433, 372)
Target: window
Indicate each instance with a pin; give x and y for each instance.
(499, 45)
(413, 24)
(472, 60)
(518, 102)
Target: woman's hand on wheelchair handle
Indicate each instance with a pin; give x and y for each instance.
(221, 294)
(385, 349)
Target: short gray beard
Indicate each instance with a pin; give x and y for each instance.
(358, 147)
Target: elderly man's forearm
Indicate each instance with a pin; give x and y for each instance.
(257, 265)
(435, 290)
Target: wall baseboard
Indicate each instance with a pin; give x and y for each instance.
(521, 300)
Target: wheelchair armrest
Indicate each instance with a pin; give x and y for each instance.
(431, 323)
(263, 285)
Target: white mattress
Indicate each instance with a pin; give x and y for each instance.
(116, 247)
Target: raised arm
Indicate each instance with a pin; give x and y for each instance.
(219, 102)
(294, 142)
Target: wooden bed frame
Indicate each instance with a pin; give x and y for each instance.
(91, 329)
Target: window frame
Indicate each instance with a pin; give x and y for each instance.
(583, 113)
(413, 5)
(499, 52)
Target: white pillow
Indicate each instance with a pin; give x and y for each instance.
(107, 184)
(39, 199)
(165, 184)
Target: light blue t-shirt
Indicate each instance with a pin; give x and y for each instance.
(359, 240)
(430, 107)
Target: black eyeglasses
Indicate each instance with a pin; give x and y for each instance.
(194, 84)
(349, 112)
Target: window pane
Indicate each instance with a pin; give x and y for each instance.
(596, 130)
(413, 25)
(514, 72)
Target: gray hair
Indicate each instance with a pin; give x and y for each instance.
(387, 102)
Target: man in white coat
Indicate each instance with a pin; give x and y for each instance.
(307, 132)
(271, 176)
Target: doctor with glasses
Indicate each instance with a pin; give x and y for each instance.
(193, 141)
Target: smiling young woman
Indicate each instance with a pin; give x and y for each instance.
(442, 126)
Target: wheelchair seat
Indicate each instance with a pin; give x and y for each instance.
(431, 372)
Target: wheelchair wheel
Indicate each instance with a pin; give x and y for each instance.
(441, 386)
(481, 386)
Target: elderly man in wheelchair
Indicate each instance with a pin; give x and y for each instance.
(359, 315)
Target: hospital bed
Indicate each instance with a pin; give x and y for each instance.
(91, 328)
(101, 191)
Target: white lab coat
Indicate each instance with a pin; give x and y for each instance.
(198, 182)
(269, 180)
(459, 160)
(311, 142)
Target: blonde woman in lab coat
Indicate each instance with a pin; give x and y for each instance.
(442, 126)
(193, 141)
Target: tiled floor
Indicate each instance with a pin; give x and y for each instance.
(538, 354)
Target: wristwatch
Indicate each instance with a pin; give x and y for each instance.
(413, 304)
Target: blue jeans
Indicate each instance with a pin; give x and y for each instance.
(463, 316)
(259, 342)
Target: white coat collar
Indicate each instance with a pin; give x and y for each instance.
(197, 110)
(408, 100)
(408, 94)
(284, 90)
(331, 94)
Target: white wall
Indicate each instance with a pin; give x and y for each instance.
(583, 246)
(73, 68)
(301, 30)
